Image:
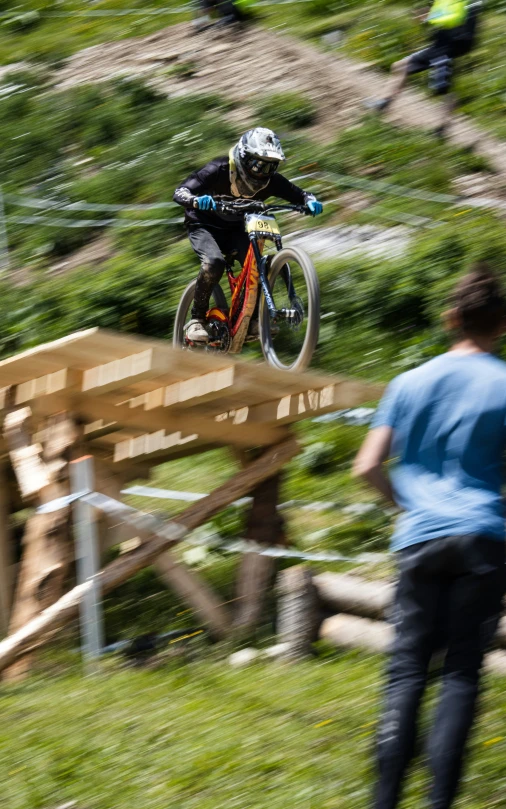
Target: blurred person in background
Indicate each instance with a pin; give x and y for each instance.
(443, 425)
(453, 25)
(249, 171)
(228, 13)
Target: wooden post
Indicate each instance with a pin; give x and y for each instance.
(87, 562)
(6, 583)
(256, 572)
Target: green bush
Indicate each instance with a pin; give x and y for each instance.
(282, 110)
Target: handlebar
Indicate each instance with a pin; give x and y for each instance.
(246, 206)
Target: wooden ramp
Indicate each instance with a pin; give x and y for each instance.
(143, 401)
(130, 403)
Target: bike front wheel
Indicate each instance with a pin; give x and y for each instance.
(289, 339)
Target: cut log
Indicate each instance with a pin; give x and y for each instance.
(126, 566)
(350, 632)
(345, 593)
(297, 611)
(367, 599)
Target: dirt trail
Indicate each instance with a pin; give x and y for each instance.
(245, 66)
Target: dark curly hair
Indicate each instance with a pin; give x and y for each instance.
(479, 302)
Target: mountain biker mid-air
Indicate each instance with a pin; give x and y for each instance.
(249, 171)
(453, 25)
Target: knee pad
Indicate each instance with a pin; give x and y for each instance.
(440, 76)
(212, 269)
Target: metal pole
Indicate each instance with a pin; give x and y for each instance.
(4, 244)
(87, 563)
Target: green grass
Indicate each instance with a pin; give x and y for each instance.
(48, 32)
(198, 734)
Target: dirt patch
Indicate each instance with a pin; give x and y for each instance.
(235, 66)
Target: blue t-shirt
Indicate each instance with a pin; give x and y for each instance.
(449, 435)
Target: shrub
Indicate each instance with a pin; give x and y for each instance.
(282, 110)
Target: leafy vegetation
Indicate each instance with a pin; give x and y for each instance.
(286, 110)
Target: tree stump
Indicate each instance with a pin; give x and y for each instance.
(298, 614)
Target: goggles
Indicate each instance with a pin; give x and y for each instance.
(261, 167)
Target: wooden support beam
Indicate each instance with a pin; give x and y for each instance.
(215, 431)
(150, 444)
(274, 458)
(265, 525)
(195, 592)
(6, 560)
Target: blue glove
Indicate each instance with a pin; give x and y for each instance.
(314, 207)
(205, 203)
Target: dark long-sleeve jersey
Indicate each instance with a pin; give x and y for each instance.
(214, 179)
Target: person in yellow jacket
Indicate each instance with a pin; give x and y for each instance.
(453, 25)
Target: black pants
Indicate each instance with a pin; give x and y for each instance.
(447, 45)
(225, 8)
(214, 248)
(455, 584)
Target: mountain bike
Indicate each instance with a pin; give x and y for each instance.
(285, 282)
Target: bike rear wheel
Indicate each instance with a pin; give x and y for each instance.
(288, 343)
(183, 310)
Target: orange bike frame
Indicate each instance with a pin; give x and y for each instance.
(244, 291)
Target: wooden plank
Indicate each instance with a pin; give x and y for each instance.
(311, 403)
(134, 367)
(150, 444)
(64, 379)
(122, 568)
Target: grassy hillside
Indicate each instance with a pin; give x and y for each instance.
(383, 32)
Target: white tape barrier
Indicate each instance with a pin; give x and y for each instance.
(90, 223)
(355, 509)
(56, 205)
(376, 186)
(245, 546)
(148, 522)
(171, 494)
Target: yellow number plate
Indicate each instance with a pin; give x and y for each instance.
(262, 224)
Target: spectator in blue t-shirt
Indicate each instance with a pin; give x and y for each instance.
(443, 425)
